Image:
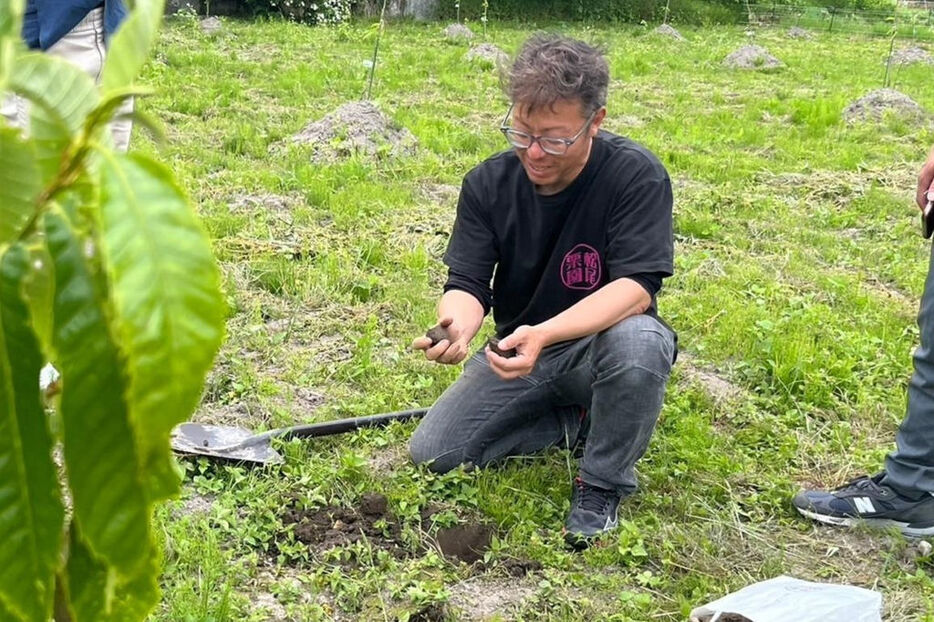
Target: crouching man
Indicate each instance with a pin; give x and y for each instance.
(566, 237)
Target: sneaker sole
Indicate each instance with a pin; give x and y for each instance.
(879, 523)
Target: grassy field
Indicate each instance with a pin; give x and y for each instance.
(799, 268)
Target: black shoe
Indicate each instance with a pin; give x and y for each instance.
(593, 512)
(867, 500)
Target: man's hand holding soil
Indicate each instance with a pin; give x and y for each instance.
(459, 319)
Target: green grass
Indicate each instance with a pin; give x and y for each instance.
(799, 268)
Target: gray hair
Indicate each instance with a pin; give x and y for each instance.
(550, 68)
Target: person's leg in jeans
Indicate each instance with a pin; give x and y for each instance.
(618, 375)
(629, 365)
(84, 46)
(910, 468)
(901, 496)
(481, 418)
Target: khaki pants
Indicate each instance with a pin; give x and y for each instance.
(84, 47)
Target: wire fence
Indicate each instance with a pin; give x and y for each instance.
(915, 21)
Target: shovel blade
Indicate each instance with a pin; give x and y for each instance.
(206, 440)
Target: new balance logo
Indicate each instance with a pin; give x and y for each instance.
(864, 505)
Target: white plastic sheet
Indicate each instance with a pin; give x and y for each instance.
(785, 598)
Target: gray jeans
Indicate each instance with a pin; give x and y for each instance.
(910, 468)
(607, 386)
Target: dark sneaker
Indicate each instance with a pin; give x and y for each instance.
(866, 500)
(593, 511)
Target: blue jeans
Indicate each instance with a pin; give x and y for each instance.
(910, 468)
(608, 386)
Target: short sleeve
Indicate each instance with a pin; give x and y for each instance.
(639, 229)
(472, 250)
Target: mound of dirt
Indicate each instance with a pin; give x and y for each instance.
(458, 32)
(328, 527)
(668, 31)
(488, 53)
(796, 32)
(752, 57)
(912, 55)
(211, 25)
(875, 105)
(356, 128)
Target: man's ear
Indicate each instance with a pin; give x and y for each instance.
(597, 120)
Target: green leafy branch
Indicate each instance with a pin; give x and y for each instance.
(105, 270)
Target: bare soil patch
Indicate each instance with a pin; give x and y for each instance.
(328, 527)
(752, 57)
(441, 194)
(356, 128)
(266, 604)
(480, 598)
(387, 460)
(331, 526)
(721, 390)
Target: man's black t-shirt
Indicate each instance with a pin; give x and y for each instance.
(549, 252)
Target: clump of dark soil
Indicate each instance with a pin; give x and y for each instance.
(912, 55)
(752, 57)
(668, 31)
(727, 617)
(331, 526)
(487, 53)
(458, 32)
(515, 567)
(875, 105)
(493, 344)
(438, 333)
(356, 128)
(433, 612)
(466, 543)
(796, 32)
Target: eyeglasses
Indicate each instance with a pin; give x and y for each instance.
(551, 145)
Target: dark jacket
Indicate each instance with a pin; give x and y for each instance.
(47, 21)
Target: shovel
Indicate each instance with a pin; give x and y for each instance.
(241, 445)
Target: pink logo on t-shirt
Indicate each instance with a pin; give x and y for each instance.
(580, 268)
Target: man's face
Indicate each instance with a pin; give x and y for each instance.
(553, 173)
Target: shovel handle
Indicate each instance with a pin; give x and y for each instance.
(327, 428)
